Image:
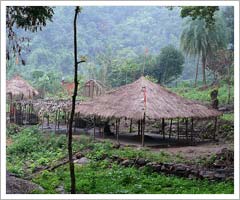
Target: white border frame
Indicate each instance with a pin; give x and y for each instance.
(120, 3)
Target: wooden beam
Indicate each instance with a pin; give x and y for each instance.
(170, 129)
(163, 128)
(192, 130)
(130, 129)
(186, 121)
(94, 129)
(216, 130)
(178, 129)
(143, 128)
(138, 127)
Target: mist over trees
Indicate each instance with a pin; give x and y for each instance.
(114, 39)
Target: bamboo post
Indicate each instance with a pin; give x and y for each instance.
(130, 129)
(143, 128)
(186, 121)
(163, 128)
(178, 129)
(59, 112)
(216, 130)
(192, 130)
(55, 128)
(42, 121)
(94, 130)
(117, 130)
(138, 127)
(170, 131)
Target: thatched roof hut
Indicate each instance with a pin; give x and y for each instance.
(93, 88)
(144, 97)
(17, 87)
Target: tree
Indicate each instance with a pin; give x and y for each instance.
(205, 13)
(199, 40)
(31, 18)
(169, 64)
(76, 63)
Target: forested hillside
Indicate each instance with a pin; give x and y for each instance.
(118, 43)
(103, 32)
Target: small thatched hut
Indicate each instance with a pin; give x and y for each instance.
(93, 88)
(144, 100)
(19, 88)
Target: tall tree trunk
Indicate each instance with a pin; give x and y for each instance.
(203, 69)
(70, 153)
(195, 85)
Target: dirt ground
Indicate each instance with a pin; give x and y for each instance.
(155, 142)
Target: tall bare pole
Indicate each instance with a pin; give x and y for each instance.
(76, 62)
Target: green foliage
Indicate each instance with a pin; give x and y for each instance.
(169, 65)
(186, 90)
(200, 12)
(110, 178)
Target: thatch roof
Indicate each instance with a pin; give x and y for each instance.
(128, 101)
(18, 87)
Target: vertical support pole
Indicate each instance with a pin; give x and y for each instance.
(143, 128)
(192, 130)
(163, 128)
(55, 128)
(48, 120)
(130, 129)
(215, 128)
(42, 121)
(170, 129)
(178, 129)
(94, 129)
(117, 129)
(59, 112)
(138, 127)
(186, 121)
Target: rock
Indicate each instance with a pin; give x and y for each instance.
(141, 161)
(82, 161)
(207, 174)
(16, 185)
(116, 146)
(79, 155)
(60, 189)
(180, 167)
(127, 163)
(191, 176)
(219, 176)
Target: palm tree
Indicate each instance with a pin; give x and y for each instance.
(201, 41)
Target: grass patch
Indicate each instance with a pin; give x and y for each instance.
(103, 177)
(204, 95)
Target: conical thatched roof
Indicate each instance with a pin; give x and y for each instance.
(18, 87)
(128, 101)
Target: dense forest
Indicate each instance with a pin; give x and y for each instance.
(117, 41)
(106, 34)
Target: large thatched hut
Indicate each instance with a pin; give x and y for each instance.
(144, 100)
(19, 88)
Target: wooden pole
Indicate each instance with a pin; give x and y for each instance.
(143, 128)
(186, 121)
(216, 130)
(55, 128)
(59, 112)
(118, 122)
(178, 129)
(42, 121)
(130, 129)
(163, 128)
(170, 129)
(192, 130)
(138, 127)
(94, 129)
